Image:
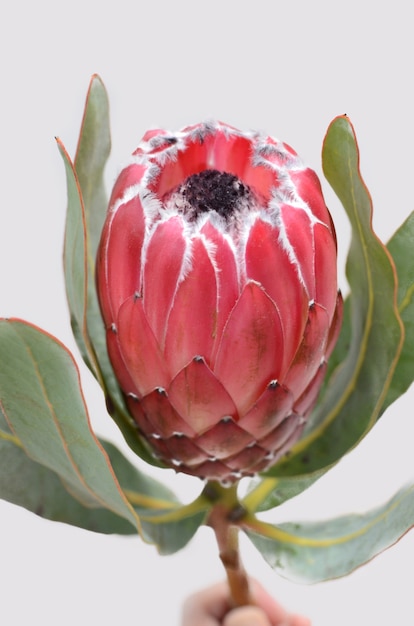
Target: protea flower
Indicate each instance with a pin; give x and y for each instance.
(217, 281)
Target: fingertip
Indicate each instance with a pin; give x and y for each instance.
(276, 613)
(246, 616)
(299, 620)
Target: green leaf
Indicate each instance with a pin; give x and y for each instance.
(35, 487)
(92, 154)
(171, 530)
(401, 247)
(164, 521)
(356, 390)
(268, 493)
(315, 551)
(88, 169)
(272, 492)
(74, 263)
(51, 462)
(146, 492)
(42, 402)
(86, 213)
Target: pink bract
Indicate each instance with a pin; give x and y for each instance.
(216, 276)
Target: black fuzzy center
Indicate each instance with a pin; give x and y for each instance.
(211, 190)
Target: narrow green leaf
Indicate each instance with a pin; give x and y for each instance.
(42, 402)
(88, 169)
(315, 551)
(356, 391)
(271, 494)
(74, 262)
(85, 215)
(92, 153)
(87, 205)
(401, 247)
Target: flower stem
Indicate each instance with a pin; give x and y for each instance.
(222, 521)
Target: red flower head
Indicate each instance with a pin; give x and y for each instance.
(217, 281)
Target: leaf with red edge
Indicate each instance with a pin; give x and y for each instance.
(85, 215)
(51, 462)
(352, 400)
(315, 551)
(40, 490)
(370, 352)
(42, 402)
(402, 251)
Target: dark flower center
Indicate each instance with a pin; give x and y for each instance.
(211, 190)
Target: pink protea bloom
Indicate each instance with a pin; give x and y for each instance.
(217, 281)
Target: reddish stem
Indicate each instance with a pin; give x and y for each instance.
(227, 539)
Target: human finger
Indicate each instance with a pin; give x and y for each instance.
(299, 620)
(246, 616)
(206, 607)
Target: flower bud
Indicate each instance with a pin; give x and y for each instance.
(217, 282)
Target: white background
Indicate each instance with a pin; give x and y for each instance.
(285, 67)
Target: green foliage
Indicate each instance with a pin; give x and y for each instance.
(315, 551)
(357, 388)
(369, 347)
(52, 463)
(48, 417)
(87, 206)
(401, 247)
(371, 366)
(39, 490)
